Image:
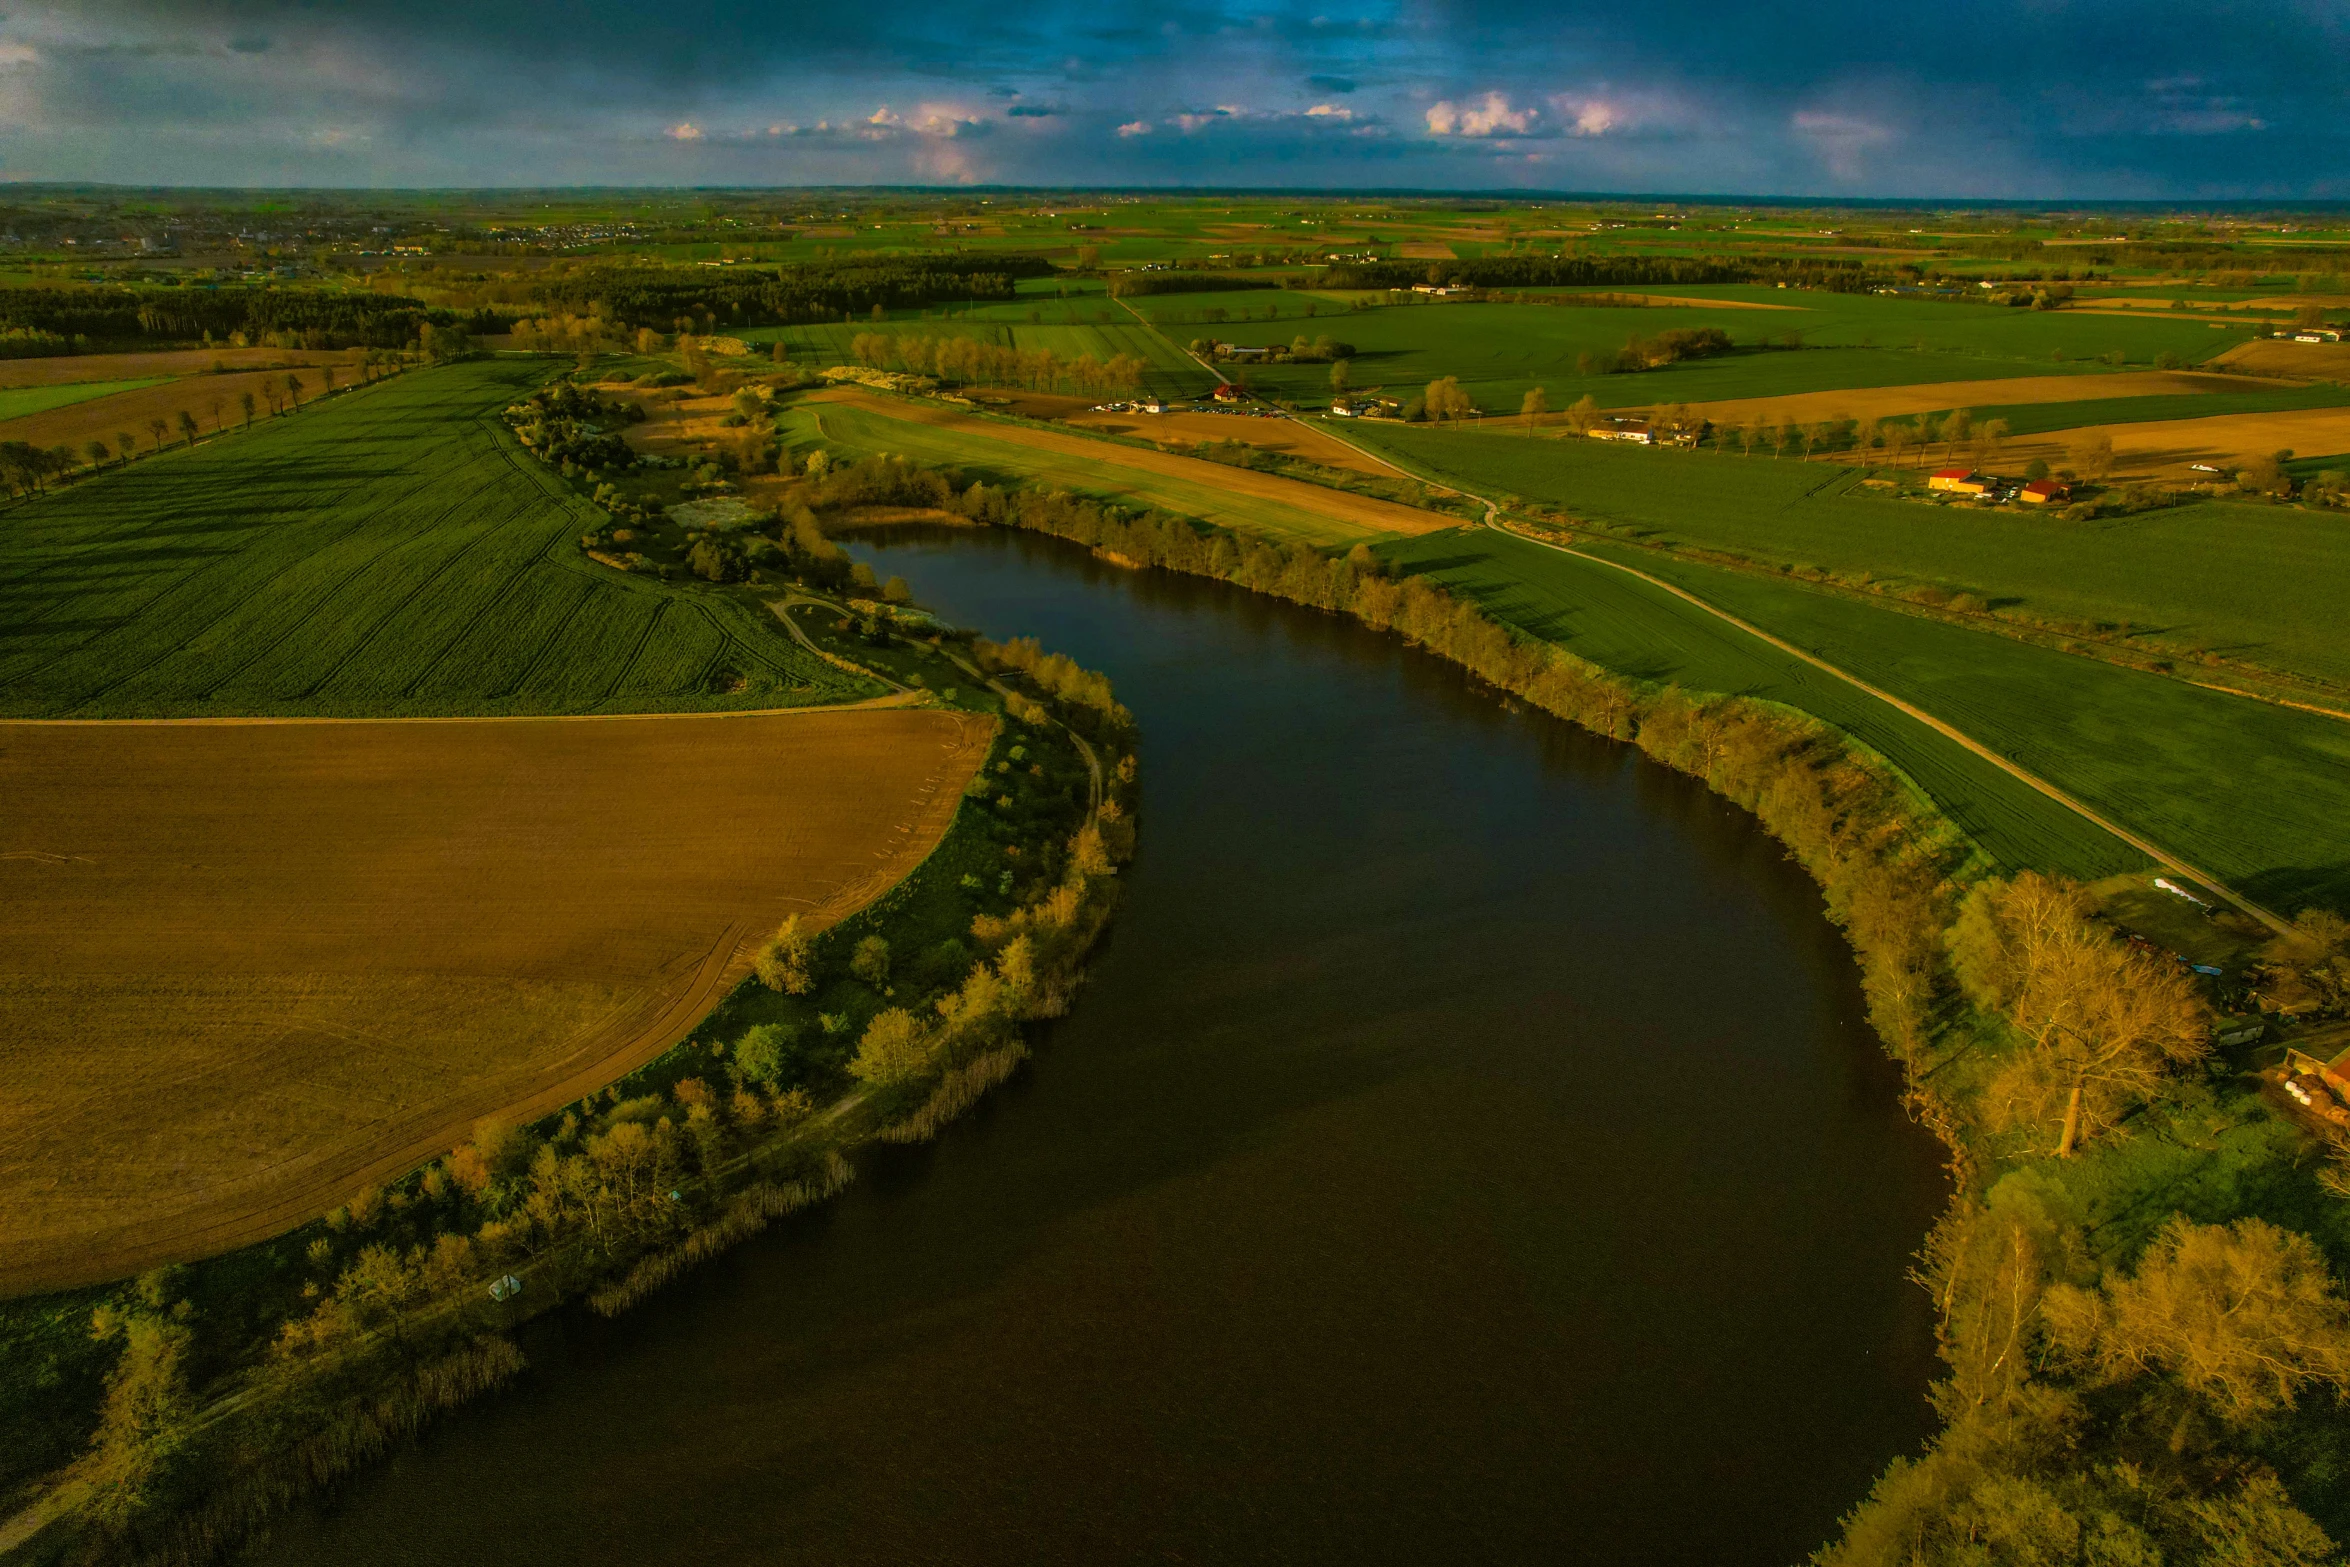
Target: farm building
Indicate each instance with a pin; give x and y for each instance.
(1958, 481)
(1228, 393)
(2320, 334)
(1638, 431)
(2040, 492)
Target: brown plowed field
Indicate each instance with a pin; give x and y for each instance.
(1358, 510)
(2167, 448)
(249, 967)
(128, 412)
(2283, 356)
(67, 369)
(1893, 402)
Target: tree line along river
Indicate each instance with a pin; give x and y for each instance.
(1470, 1147)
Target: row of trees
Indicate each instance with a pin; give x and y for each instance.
(970, 361)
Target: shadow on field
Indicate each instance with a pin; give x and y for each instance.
(2291, 888)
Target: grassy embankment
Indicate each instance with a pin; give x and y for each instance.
(392, 552)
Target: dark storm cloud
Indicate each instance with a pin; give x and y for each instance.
(2008, 97)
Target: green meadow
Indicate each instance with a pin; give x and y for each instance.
(2256, 794)
(2269, 584)
(392, 551)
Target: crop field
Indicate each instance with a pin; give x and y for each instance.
(247, 967)
(2268, 356)
(2254, 793)
(392, 552)
(1100, 329)
(1499, 351)
(154, 364)
(18, 401)
(2266, 583)
(211, 400)
(2169, 448)
(1636, 629)
(1189, 486)
(1993, 398)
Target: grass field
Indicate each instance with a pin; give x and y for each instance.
(18, 401)
(2256, 794)
(2041, 418)
(392, 552)
(1636, 629)
(246, 967)
(1499, 351)
(1233, 497)
(2269, 584)
(1070, 329)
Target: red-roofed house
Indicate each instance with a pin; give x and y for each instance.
(1958, 481)
(2040, 492)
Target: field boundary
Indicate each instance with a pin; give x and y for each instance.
(1947, 730)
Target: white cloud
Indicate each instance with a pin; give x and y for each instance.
(684, 130)
(1135, 128)
(1492, 116)
(1331, 112)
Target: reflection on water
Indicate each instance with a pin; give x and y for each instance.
(1469, 1147)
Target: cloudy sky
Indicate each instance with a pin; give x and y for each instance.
(2013, 98)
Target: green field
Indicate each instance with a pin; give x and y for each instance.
(18, 401)
(1071, 330)
(2256, 794)
(393, 551)
(1819, 342)
(2269, 584)
(862, 430)
(1637, 629)
(2041, 418)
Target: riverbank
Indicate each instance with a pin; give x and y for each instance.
(210, 1396)
(2089, 1156)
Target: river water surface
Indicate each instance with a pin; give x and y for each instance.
(1469, 1148)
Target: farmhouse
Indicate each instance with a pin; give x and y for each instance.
(1226, 392)
(1638, 431)
(1958, 481)
(2040, 492)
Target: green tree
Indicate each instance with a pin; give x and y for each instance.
(97, 451)
(1339, 376)
(157, 429)
(765, 1053)
(786, 962)
(2245, 1315)
(1534, 404)
(245, 401)
(897, 591)
(896, 1049)
(1444, 399)
(870, 961)
(187, 427)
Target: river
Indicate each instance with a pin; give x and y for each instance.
(1469, 1147)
